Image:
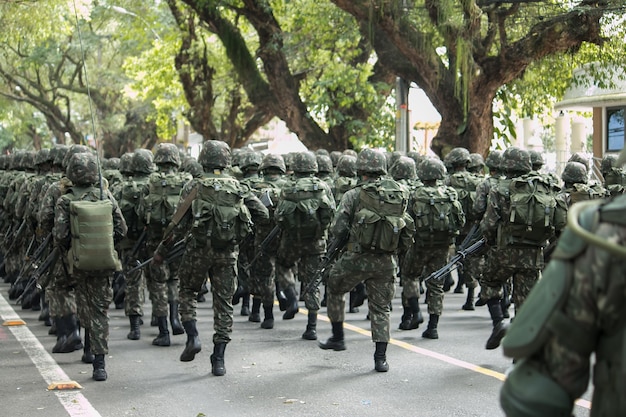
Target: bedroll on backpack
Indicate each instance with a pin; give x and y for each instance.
(583, 192)
(531, 219)
(221, 219)
(305, 209)
(438, 215)
(164, 192)
(381, 216)
(92, 246)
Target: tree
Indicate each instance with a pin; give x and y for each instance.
(462, 53)
(322, 83)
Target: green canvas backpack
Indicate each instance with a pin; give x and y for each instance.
(438, 215)
(160, 203)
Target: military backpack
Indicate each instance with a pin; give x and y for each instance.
(160, 203)
(438, 215)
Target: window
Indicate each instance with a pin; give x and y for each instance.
(615, 129)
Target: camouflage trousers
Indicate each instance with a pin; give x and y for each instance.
(307, 259)
(419, 263)
(135, 286)
(246, 254)
(161, 281)
(520, 265)
(349, 270)
(93, 296)
(261, 282)
(220, 267)
(60, 291)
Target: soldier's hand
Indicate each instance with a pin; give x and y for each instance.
(157, 259)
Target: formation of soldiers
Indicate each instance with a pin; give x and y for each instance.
(251, 226)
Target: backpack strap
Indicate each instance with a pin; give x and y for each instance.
(183, 207)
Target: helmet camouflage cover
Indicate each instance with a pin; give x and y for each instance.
(126, 163)
(516, 160)
(578, 157)
(250, 159)
(494, 160)
(143, 161)
(324, 163)
(215, 154)
(536, 158)
(608, 163)
(273, 160)
(457, 157)
(371, 161)
(574, 172)
(82, 169)
(167, 153)
(431, 169)
(403, 169)
(304, 162)
(74, 149)
(346, 166)
(476, 161)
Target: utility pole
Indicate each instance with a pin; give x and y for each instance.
(402, 115)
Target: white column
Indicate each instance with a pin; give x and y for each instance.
(578, 136)
(560, 142)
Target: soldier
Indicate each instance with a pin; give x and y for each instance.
(304, 211)
(216, 215)
(368, 256)
(583, 290)
(519, 220)
(262, 279)
(438, 217)
(129, 197)
(614, 176)
(157, 206)
(326, 171)
(476, 165)
(93, 283)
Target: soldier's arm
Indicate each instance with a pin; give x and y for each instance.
(119, 223)
(258, 211)
(61, 229)
(340, 226)
(489, 222)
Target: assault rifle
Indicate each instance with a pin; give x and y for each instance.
(176, 252)
(457, 260)
(263, 247)
(119, 280)
(24, 280)
(13, 237)
(333, 251)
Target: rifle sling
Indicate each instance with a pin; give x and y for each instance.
(180, 211)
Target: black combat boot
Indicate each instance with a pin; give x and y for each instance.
(405, 320)
(292, 303)
(88, 356)
(380, 357)
(245, 304)
(499, 328)
(336, 341)
(99, 374)
(352, 308)
(239, 292)
(193, 346)
(311, 328)
(283, 303)
(255, 314)
(59, 324)
(448, 282)
(177, 327)
(459, 285)
(163, 338)
(469, 302)
(431, 330)
(268, 320)
(135, 331)
(154, 322)
(53, 326)
(217, 359)
(72, 340)
(416, 313)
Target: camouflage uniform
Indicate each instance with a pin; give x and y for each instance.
(521, 263)
(93, 288)
(426, 256)
(614, 176)
(262, 279)
(588, 276)
(162, 280)
(378, 270)
(305, 253)
(200, 260)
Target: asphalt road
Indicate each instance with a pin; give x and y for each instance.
(269, 372)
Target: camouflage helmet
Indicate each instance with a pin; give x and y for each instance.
(236, 155)
(574, 173)
(578, 157)
(324, 164)
(43, 156)
(143, 161)
(393, 158)
(250, 160)
(416, 156)
(59, 152)
(193, 167)
(288, 158)
(74, 149)
(126, 163)
(273, 160)
(346, 166)
(215, 154)
(15, 163)
(457, 157)
(536, 158)
(111, 163)
(304, 162)
(476, 163)
(371, 161)
(322, 151)
(403, 169)
(431, 169)
(350, 152)
(516, 160)
(28, 160)
(334, 156)
(167, 153)
(608, 163)
(82, 169)
(494, 160)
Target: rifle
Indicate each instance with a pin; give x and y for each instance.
(333, 251)
(457, 260)
(176, 252)
(263, 247)
(119, 280)
(14, 237)
(30, 263)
